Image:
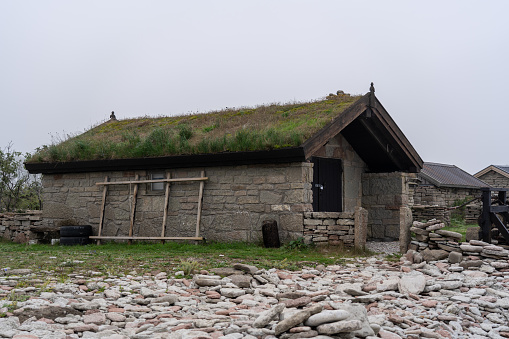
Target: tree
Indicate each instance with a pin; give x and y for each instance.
(18, 189)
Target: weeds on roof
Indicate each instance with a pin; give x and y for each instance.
(246, 129)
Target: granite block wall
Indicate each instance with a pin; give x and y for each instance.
(383, 194)
(236, 200)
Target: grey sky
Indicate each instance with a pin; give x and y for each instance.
(439, 67)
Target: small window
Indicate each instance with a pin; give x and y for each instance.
(157, 186)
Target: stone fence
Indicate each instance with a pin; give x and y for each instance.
(336, 228)
(428, 212)
(17, 227)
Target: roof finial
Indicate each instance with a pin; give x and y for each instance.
(372, 95)
(112, 116)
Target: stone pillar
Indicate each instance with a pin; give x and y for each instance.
(361, 227)
(405, 217)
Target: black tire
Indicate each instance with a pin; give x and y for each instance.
(70, 241)
(76, 231)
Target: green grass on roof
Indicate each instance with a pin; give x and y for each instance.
(231, 130)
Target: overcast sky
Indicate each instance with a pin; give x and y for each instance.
(440, 68)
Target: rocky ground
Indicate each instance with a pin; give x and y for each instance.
(364, 298)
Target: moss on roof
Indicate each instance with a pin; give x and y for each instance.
(230, 130)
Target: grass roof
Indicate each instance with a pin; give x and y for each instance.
(230, 130)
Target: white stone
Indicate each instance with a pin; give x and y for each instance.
(326, 316)
(413, 282)
(339, 327)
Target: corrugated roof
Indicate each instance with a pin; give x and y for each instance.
(444, 175)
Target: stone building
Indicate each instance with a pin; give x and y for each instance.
(442, 186)
(445, 185)
(496, 176)
(348, 176)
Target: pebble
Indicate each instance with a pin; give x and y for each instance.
(365, 297)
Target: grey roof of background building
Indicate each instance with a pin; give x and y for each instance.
(503, 168)
(443, 175)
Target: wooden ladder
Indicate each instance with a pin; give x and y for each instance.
(168, 180)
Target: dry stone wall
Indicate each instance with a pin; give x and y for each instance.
(442, 196)
(236, 201)
(423, 213)
(336, 228)
(495, 179)
(17, 226)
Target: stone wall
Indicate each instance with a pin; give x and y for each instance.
(336, 228)
(383, 194)
(422, 213)
(16, 226)
(236, 201)
(473, 212)
(495, 179)
(443, 196)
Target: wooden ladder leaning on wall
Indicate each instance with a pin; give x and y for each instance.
(136, 182)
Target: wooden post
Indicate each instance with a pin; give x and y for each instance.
(486, 217)
(103, 205)
(200, 198)
(270, 234)
(133, 208)
(166, 202)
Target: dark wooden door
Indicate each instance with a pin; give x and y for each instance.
(327, 185)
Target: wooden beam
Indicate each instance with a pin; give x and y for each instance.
(397, 134)
(133, 206)
(313, 144)
(200, 198)
(145, 238)
(103, 205)
(166, 203)
(383, 144)
(151, 181)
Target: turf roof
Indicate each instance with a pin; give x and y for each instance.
(231, 130)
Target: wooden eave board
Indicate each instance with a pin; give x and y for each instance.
(284, 155)
(398, 134)
(371, 146)
(491, 168)
(313, 144)
(369, 149)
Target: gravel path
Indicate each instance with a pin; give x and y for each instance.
(383, 247)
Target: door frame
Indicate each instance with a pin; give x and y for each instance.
(326, 186)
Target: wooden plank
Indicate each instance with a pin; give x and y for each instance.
(313, 144)
(200, 199)
(133, 206)
(500, 225)
(397, 134)
(103, 205)
(151, 181)
(166, 203)
(145, 238)
(499, 209)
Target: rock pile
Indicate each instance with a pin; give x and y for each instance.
(364, 298)
(430, 242)
(431, 235)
